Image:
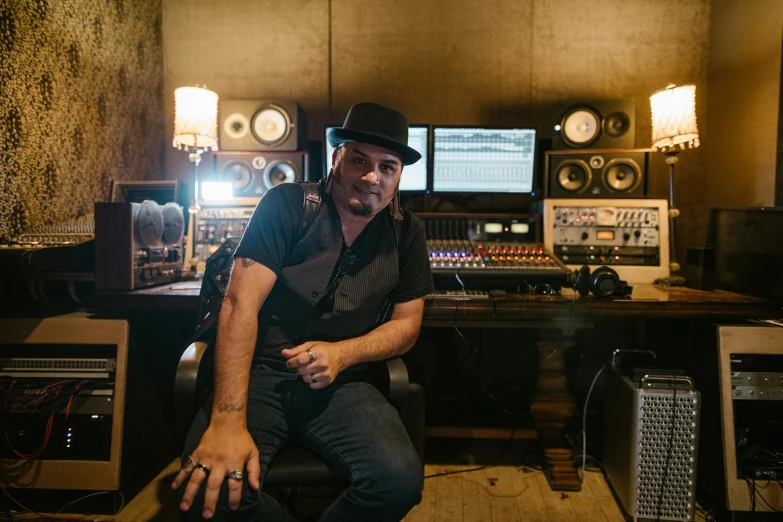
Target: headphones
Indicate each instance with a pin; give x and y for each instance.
(602, 282)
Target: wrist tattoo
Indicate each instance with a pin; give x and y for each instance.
(227, 407)
(246, 262)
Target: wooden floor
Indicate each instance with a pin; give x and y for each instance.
(506, 492)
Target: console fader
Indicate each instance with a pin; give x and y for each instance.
(489, 251)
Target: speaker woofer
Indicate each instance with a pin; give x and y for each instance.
(617, 124)
(279, 172)
(622, 175)
(271, 125)
(239, 174)
(573, 175)
(580, 126)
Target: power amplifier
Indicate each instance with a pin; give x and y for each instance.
(630, 235)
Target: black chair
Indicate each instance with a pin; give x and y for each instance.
(294, 465)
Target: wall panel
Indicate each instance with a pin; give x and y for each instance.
(743, 107)
(80, 104)
(251, 50)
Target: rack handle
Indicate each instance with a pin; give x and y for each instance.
(665, 378)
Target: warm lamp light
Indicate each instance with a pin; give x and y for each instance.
(195, 129)
(673, 129)
(674, 118)
(195, 118)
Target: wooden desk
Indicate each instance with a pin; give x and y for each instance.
(647, 302)
(553, 404)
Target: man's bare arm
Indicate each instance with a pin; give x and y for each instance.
(249, 287)
(392, 338)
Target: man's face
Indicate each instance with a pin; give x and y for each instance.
(365, 177)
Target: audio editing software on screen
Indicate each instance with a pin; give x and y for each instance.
(414, 177)
(483, 160)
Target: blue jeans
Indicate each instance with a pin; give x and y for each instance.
(350, 424)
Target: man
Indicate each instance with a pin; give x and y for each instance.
(298, 324)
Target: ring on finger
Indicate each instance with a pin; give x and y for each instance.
(312, 377)
(189, 464)
(310, 355)
(203, 467)
(235, 475)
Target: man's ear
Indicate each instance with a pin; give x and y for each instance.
(329, 180)
(336, 154)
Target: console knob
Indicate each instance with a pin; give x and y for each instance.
(626, 236)
(584, 235)
(637, 233)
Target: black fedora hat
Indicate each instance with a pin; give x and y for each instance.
(376, 125)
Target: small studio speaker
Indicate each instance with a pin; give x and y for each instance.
(262, 126)
(596, 174)
(253, 173)
(595, 125)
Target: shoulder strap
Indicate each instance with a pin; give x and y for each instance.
(310, 203)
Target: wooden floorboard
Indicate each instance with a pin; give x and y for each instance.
(501, 493)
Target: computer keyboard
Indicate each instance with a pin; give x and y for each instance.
(460, 294)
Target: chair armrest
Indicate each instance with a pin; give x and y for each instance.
(391, 379)
(192, 384)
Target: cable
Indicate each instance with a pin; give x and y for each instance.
(485, 466)
(483, 388)
(584, 424)
(671, 449)
(48, 517)
(456, 274)
(122, 500)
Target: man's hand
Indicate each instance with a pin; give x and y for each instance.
(320, 370)
(222, 449)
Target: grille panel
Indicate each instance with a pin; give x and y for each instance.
(666, 451)
(81, 365)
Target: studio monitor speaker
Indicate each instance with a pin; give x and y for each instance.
(253, 173)
(596, 174)
(262, 126)
(595, 125)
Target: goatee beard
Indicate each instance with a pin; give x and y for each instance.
(359, 208)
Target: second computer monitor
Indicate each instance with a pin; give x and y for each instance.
(476, 160)
(414, 177)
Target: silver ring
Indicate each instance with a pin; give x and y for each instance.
(310, 354)
(189, 464)
(312, 377)
(235, 475)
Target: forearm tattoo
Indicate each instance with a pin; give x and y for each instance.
(227, 407)
(246, 262)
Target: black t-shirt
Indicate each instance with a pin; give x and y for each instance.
(276, 227)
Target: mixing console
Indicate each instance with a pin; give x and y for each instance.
(489, 251)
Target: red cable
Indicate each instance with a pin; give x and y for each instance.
(37, 453)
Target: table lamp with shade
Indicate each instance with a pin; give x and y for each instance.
(673, 130)
(195, 129)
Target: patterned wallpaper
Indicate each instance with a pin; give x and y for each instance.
(81, 103)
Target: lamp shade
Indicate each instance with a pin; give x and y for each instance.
(674, 118)
(195, 118)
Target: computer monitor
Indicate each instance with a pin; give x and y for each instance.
(482, 160)
(414, 177)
